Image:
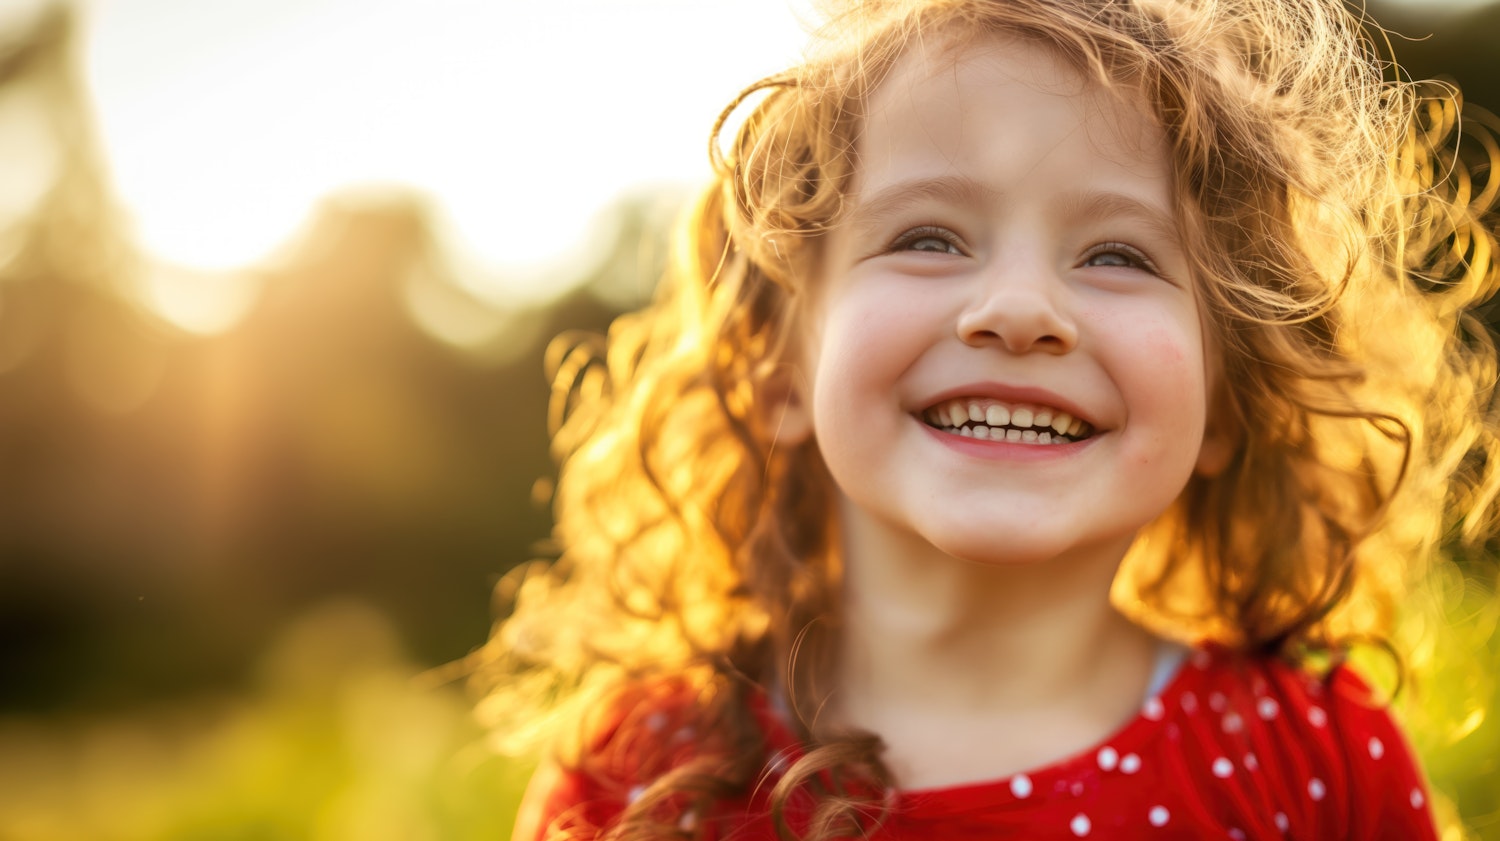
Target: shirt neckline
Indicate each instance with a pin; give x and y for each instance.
(1169, 681)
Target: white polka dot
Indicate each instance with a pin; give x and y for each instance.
(1377, 748)
(1267, 708)
(1159, 816)
(1251, 763)
(1108, 758)
(1417, 799)
(1153, 709)
(1201, 659)
(1189, 702)
(1233, 723)
(1282, 823)
(1217, 702)
(1077, 789)
(1223, 768)
(1237, 834)
(1316, 717)
(635, 793)
(1316, 789)
(1020, 786)
(656, 721)
(1080, 825)
(688, 822)
(1130, 763)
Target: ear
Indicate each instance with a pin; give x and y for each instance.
(1221, 436)
(786, 410)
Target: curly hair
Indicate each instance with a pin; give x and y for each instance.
(1341, 243)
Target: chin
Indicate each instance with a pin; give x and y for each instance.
(993, 550)
(1018, 546)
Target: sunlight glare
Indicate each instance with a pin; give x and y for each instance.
(225, 122)
(484, 332)
(29, 148)
(198, 300)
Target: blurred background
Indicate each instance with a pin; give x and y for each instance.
(275, 282)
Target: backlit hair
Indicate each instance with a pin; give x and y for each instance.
(1339, 244)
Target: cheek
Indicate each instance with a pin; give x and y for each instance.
(1153, 337)
(867, 337)
(1172, 350)
(1157, 360)
(1174, 364)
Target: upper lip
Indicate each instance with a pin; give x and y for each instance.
(1005, 393)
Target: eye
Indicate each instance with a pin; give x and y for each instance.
(1119, 255)
(928, 238)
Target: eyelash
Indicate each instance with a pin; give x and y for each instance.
(1136, 257)
(906, 239)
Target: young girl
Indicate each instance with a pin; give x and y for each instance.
(1045, 397)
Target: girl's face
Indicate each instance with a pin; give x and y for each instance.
(1003, 358)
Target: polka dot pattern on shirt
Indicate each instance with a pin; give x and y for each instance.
(1142, 782)
(1108, 758)
(1267, 708)
(1153, 709)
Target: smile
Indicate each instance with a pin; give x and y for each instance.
(993, 420)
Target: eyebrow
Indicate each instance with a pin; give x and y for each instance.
(1107, 204)
(879, 206)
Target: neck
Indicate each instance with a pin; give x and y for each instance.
(937, 648)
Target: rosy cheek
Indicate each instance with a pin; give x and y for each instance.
(1167, 347)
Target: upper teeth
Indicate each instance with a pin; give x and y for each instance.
(983, 418)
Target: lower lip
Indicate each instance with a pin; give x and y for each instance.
(1005, 450)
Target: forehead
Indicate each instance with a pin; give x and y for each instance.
(957, 97)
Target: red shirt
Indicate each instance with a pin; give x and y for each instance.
(1232, 747)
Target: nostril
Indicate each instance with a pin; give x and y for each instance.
(982, 337)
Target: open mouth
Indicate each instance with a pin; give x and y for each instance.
(992, 420)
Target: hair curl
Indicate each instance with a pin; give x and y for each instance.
(1339, 240)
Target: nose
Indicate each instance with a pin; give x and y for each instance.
(1021, 307)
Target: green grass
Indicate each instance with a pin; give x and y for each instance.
(338, 740)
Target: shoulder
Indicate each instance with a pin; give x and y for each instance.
(635, 734)
(643, 733)
(1321, 751)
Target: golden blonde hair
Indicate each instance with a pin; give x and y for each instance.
(1340, 245)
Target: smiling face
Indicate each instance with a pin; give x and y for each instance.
(1003, 357)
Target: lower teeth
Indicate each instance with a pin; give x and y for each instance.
(1025, 436)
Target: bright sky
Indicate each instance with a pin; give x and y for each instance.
(225, 121)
